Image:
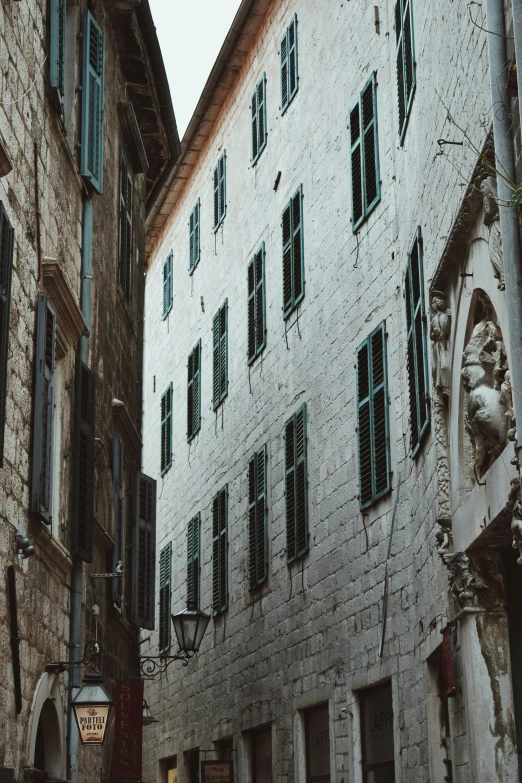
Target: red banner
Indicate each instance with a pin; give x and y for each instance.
(448, 678)
(128, 709)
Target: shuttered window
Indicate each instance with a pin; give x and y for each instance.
(417, 344)
(57, 26)
(91, 158)
(293, 253)
(194, 237)
(6, 273)
(125, 228)
(144, 553)
(289, 74)
(83, 462)
(194, 392)
(220, 551)
(166, 430)
(259, 129)
(364, 152)
(256, 305)
(220, 355)
(193, 560)
(257, 520)
(118, 506)
(220, 190)
(41, 478)
(406, 67)
(167, 284)
(165, 576)
(373, 418)
(296, 486)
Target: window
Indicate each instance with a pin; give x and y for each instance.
(83, 462)
(439, 665)
(377, 735)
(91, 146)
(372, 418)
(259, 130)
(192, 766)
(220, 355)
(193, 553)
(261, 755)
(6, 273)
(296, 486)
(166, 430)
(58, 24)
(165, 573)
(167, 284)
(219, 551)
(293, 253)
(289, 75)
(257, 520)
(405, 61)
(364, 153)
(317, 742)
(144, 553)
(194, 237)
(220, 190)
(171, 770)
(256, 305)
(417, 352)
(125, 228)
(194, 392)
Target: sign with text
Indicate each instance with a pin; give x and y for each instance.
(216, 772)
(128, 710)
(92, 722)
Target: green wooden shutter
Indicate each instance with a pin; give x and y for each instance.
(117, 493)
(364, 153)
(258, 106)
(41, 479)
(194, 391)
(91, 158)
(83, 462)
(165, 576)
(193, 560)
(58, 11)
(220, 190)
(219, 551)
(417, 344)
(284, 71)
(255, 129)
(405, 59)
(125, 228)
(257, 520)
(289, 74)
(194, 237)
(356, 166)
(166, 430)
(220, 355)
(144, 553)
(373, 418)
(167, 284)
(296, 486)
(256, 305)
(293, 253)
(6, 273)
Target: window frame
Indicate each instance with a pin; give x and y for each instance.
(255, 118)
(297, 552)
(170, 279)
(366, 768)
(367, 209)
(167, 421)
(286, 39)
(165, 580)
(192, 397)
(400, 43)
(195, 237)
(220, 552)
(259, 499)
(325, 778)
(294, 301)
(222, 203)
(222, 340)
(413, 309)
(254, 325)
(194, 561)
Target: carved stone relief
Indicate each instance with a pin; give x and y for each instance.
(444, 538)
(476, 580)
(488, 187)
(440, 331)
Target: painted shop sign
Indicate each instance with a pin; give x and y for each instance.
(128, 709)
(92, 722)
(216, 772)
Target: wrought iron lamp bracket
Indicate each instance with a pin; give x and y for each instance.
(152, 666)
(91, 651)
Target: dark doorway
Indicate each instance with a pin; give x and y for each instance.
(514, 602)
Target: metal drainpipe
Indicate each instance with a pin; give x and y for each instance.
(509, 225)
(517, 32)
(75, 641)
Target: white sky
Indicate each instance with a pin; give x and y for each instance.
(191, 33)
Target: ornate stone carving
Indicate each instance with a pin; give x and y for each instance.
(463, 583)
(488, 187)
(444, 537)
(476, 581)
(440, 331)
(516, 523)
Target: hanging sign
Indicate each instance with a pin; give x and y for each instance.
(448, 677)
(92, 722)
(128, 710)
(216, 772)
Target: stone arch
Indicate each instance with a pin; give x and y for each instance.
(103, 500)
(46, 729)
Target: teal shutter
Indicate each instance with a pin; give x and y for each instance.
(144, 553)
(166, 430)
(117, 491)
(256, 305)
(91, 163)
(165, 575)
(289, 75)
(167, 284)
(296, 486)
(82, 525)
(220, 355)
(194, 237)
(219, 551)
(293, 253)
(417, 344)
(58, 11)
(6, 273)
(364, 153)
(405, 58)
(220, 190)
(125, 228)
(257, 520)
(258, 107)
(373, 418)
(194, 392)
(193, 559)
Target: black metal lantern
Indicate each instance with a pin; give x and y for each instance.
(190, 626)
(91, 707)
(147, 718)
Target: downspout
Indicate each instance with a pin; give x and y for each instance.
(75, 639)
(517, 32)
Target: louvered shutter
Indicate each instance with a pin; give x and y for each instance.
(41, 480)
(193, 542)
(417, 341)
(296, 486)
(194, 237)
(258, 108)
(216, 196)
(401, 81)
(297, 247)
(167, 285)
(287, 259)
(256, 305)
(83, 462)
(356, 166)
(194, 391)
(293, 255)
(144, 553)
(284, 72)
(405, 58)
(257, 512)
(165, 575)
(371, 163)
(292, 59)
(92, 103)
(166, 430)
(125, 228)
(6, 273)
(58, 10)
(220, 355)
(220, 190)
(117, 493)
(255, 128)
(219, 552)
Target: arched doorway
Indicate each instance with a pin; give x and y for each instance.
(46, 730)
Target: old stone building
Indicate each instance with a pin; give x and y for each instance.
(328, 401)
(87, 137)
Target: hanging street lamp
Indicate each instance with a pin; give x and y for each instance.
(147, 717)
(190, 626)
(91, 707)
